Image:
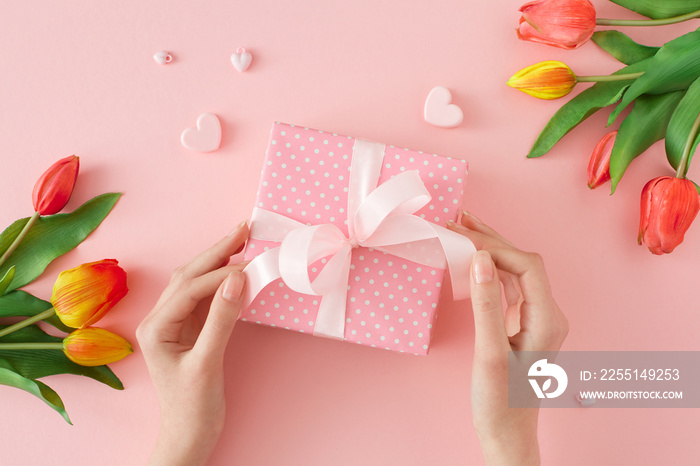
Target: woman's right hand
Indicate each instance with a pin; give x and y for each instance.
(508, 436)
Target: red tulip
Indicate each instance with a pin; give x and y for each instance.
(95, 347)
(669, 206)
(567, 24)
(82, 295)
(55, 186)
(599, 165)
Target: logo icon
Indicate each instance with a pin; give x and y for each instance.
(542, 368)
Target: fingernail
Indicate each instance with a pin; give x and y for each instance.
(482, 267)
(471, 216)
(233, 286)
(238, 228)
(456, 226)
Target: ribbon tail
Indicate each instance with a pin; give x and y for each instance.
(333, 281)
(260, 272)
(458, 254)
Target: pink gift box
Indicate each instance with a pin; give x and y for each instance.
(391, 301)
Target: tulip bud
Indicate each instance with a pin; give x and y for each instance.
(95, 347)
(599, 165)
(669, 206)
(567, 24)
(546, 80)
(54, 188)
(82, 295)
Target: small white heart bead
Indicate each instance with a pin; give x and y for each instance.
(163, 57)
(206, 137)
(439, 110)
(241, 59)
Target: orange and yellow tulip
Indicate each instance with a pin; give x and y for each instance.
(82, 295)
(95, 347)
(545, 80)
(55, 186)
(669, 206)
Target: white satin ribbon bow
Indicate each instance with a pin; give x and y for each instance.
(380, 217)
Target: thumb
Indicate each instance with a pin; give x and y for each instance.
(224, 310)
(491, 338)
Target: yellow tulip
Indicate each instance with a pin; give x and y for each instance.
(95, 346)
(546, 80)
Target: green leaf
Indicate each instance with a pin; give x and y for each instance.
(622, 47)
(658, 9)
(6, 280)
(697, 188)
(35, 364)
(9, 377)
(21, 303)
(675, 66)
(51, 237)
(680, 125)
(572, 113)
(646, 124)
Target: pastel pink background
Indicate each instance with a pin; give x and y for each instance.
(306, 177)
(78, 77)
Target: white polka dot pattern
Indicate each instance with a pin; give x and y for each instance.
(391, 302)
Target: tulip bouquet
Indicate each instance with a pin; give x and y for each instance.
(81, 296)
(662, 84)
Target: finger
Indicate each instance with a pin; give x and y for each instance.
(480, 240)
(473, 223)
(185, 298)
(511, 288)
(218, 254)
(529, 268)
(223, 313)
(490, 339)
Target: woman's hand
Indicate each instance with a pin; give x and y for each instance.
(185, 359)
(508, 436)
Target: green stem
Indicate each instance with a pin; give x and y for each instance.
(685, 159)
(647, 22)
(41, 316)
(19, 238)
(608, 78)
(26, 346)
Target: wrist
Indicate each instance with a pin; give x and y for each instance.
(511, 439)
(183, 442)
(510, 447)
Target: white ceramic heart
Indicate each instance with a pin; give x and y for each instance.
(439, 110)
(206, 137)
(241, 59)
(163, 57)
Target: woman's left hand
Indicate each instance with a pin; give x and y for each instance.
(185, 359)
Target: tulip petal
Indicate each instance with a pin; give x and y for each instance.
(545, 80)
(95, 346)
(55, 186)
(668, 208)
(83, 295)
(567, 24)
